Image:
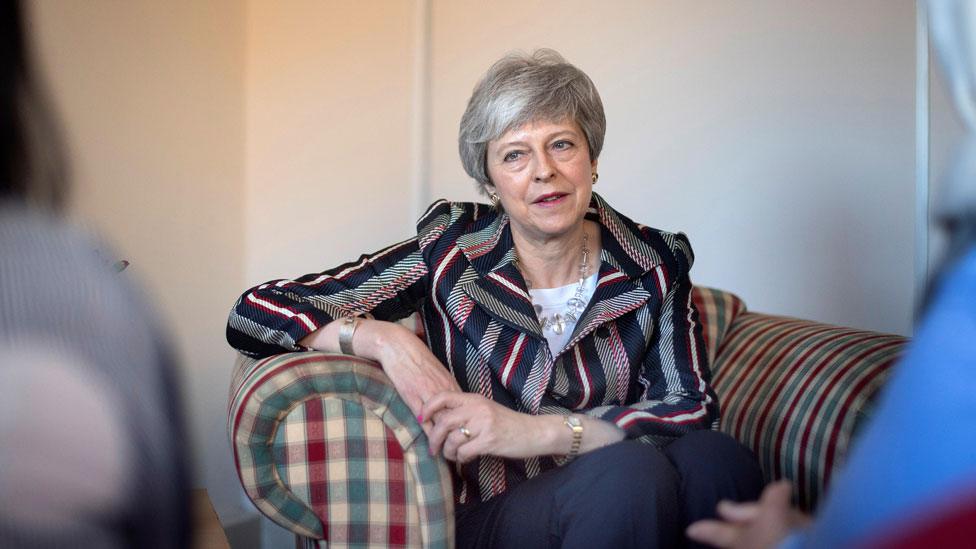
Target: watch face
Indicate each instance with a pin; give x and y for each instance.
(574, 421)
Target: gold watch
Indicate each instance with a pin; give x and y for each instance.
(576, 426)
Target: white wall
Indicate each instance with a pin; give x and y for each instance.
(945, 132)
(778, 135)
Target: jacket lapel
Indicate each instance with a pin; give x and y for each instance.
(502, 293)
(616, 295)
(499, 287)
(625, 259)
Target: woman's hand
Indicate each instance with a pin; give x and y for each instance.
(759, 524)
(415, 372)
(493, 429)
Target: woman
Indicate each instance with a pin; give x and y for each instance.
(555, 327)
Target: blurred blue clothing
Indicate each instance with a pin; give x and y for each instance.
(919, 451)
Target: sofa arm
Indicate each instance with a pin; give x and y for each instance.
(796, 392)
(325, 447)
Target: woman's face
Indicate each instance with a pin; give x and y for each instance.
(542, 173)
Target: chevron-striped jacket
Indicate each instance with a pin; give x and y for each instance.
(636, 357)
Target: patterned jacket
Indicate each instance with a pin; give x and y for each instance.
(636, 357)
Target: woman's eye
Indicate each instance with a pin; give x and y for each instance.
(512, 156)
(562, 145)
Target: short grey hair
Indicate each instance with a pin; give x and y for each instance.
(521, 88)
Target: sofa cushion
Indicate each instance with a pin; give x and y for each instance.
(796, 392)
(717, 310)
(326, 448)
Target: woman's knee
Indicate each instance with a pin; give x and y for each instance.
(624, 495)
(712, 457)
(630, 473)
(709, 447)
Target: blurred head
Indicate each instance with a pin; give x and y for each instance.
(952, 31)
(31, 165)
(520, 89)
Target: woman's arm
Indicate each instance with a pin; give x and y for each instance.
(276, 316)
(414, 370)
(306, 313)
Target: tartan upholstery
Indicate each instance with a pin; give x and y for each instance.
(326, 448)
(796, 391)
(717, 310)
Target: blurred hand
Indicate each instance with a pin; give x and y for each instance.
(753, 525)
(494, 429)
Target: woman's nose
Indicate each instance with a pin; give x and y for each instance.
(544, 170)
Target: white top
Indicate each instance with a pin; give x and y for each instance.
(553, 301)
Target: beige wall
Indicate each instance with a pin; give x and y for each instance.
(220, 144)
(330, 143)
(151, 98)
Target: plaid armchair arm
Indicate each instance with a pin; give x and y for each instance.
(326, 448)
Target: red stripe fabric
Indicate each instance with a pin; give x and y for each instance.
(791, 367)
(776, 376)
(828, 383)
(316, 460)
(396, 492)
(856, 391)
(757, 356)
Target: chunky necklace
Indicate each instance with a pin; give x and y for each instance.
(574, 306)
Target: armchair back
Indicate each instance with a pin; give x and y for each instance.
(794, 391)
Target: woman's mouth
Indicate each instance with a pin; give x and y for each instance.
(550, 199)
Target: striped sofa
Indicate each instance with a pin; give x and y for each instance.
(325, 447)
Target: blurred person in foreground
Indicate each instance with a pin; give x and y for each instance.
(564, 371)
(910, 480)
(91, 448)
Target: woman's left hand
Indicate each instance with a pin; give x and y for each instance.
(493, 429)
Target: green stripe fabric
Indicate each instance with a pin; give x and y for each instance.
(795, 392)
(327, 449)
(717, 310)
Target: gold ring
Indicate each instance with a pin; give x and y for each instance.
(465, 431)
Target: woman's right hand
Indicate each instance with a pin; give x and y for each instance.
(415, 372)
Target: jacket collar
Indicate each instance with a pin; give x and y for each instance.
(500, 288)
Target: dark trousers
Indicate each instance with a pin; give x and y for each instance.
(627, 494)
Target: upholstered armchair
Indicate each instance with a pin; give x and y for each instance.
(325, 447)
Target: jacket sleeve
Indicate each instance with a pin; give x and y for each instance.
(272, 317)
(673, 395)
